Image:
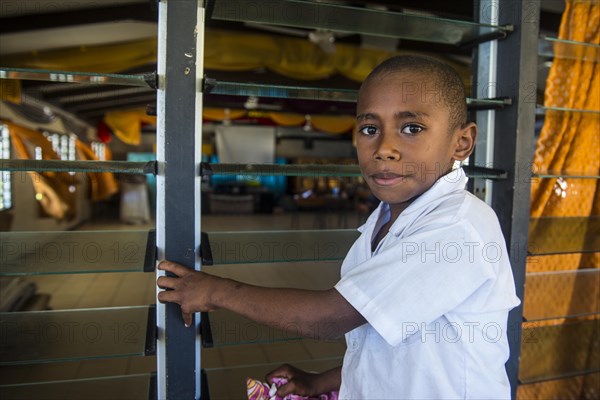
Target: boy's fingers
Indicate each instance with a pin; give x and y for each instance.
(281, 372)
(165, 282)
(168, 296)
(175, 268)
(286, 389)
(187, 319)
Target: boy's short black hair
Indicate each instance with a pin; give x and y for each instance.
(449, 87)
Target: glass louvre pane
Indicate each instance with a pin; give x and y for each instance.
(552, 350)
(254, 170)
(584, 387)
(228, 329)
(541, 110)
(49, 336)
(280, 170)
(561, 294)
(277, 91)
(43, 253)
(111, 387)
(245, 89)
(337, 18)
(145, 80)
(124, 167)
(570, 49)
(561, 235)
(224, 328)
(569, 175)
(277, 246)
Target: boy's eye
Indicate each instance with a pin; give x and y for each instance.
(412, 129)
(369, 130)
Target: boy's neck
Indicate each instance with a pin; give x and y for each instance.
(397, 209)
(379, 235)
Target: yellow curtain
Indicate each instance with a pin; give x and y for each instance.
(569, 143)
(225, 51)
(127, 124)
(294, 58)
(222, 114)
(333, 123)
(287, 119)
(102, 59)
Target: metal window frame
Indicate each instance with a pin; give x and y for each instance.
(179, 143)
(511, 143)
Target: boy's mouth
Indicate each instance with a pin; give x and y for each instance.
(387, 178)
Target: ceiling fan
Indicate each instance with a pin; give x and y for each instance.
(252, 104)
(323, 38)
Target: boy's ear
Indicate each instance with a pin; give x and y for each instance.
(465, 138)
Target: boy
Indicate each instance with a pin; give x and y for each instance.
(425, 290)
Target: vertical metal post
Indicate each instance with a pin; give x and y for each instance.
(485, 69)
(513, 148)
(179, 124)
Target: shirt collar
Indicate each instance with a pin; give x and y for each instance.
(453, 181)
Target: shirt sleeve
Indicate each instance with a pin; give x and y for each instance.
(418, 279)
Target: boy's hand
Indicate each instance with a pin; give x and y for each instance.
(190, 289)
(299, 382)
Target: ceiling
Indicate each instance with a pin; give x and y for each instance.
(28, 26)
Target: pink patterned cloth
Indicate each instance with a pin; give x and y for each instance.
(258, 390)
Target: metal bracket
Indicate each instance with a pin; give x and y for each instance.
(205, 250)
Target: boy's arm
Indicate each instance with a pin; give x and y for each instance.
(309, 313)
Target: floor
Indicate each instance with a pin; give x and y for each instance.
(226, 366)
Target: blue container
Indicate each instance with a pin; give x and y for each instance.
(150, 178)
(276, 184)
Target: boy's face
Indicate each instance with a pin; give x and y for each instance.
(403, 139)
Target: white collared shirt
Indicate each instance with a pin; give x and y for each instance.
(436, 293)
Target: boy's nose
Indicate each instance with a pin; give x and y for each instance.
(386, 151)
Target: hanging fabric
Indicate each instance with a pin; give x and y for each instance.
(569, 143)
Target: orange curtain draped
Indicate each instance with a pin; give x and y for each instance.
(103, 184)
(51, 188)
(569, 143)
